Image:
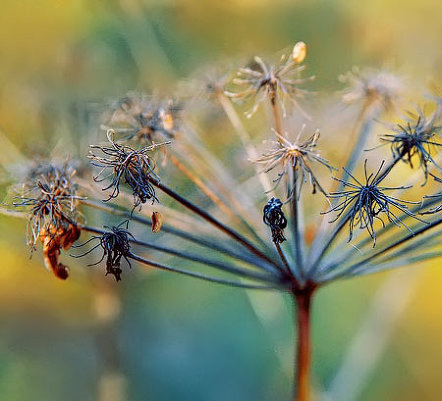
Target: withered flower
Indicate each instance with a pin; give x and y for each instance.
(363, 203)
(50, 198)
(416, 138)
(144, 119)
(115, 245)
(373, 86)
(273, 216)
(295, 157)
(55, 239)
(135, 166)
(279, 83)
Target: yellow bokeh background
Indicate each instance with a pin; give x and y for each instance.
(56, 55)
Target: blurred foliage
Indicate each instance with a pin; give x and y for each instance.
(176, 339)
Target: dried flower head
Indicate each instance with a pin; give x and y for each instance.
(145, 119)
(273, 216)
(115, 245)
(135, 166)
(49, 196)
(416, 138)
(372, 86)
(295, 157)
(363, 203)
(279, 83)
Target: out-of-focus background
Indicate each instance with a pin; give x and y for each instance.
(165, 338)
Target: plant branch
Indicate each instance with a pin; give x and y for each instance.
(206, 216)
(195, 258)
(202, 276)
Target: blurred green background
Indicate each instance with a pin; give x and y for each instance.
(164, 338)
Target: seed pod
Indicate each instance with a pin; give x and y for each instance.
(157, 222)
(299, 52)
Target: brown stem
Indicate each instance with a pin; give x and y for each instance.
(303, 299)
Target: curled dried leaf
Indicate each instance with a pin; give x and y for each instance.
(157, 222)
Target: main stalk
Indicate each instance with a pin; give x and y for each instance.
(303, 301)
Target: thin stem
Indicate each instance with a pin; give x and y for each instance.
(295, 224)
(303, 354)
(234, 119)
(384, 250)
(276, 117)
(194, 258)
(201, 276)
(214, 198)
(365, 121)
(199, 240)
(284, 260)
(206, 216)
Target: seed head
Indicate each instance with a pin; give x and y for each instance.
(373, 86)
(135, 166)
(274, 217)
(295, 157)
(417, 137)
(144, 119)
(49, 196)
(363, 203)
(280, 83)
(115, 246)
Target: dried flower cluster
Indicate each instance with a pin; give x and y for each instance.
(115, 245)
(367, 202)
(279, 83)
(144, 119)
(416, 138)
(50, 198)
(136, 167)
(295, 161)
(220, 224)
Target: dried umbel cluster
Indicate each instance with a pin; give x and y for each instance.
(218, 219)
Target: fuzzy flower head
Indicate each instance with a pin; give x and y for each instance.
(416, 139)
(372, 86)
(145, 120)
(295, 158)
(136, 167)
(280, 83)
(363, 203)
(274, 217)
(115, 246)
